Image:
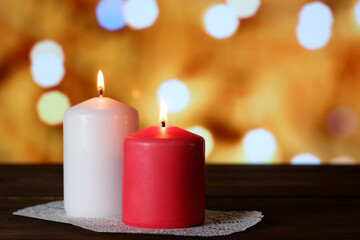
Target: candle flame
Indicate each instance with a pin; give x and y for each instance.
(163, 112)
(100, 83)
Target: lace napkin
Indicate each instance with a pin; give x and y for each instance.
(217, 223)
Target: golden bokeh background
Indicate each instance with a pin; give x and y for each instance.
(257, 96)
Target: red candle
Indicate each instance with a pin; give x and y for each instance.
(163, 178)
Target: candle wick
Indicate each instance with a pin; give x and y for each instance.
(162, 123)
(101, 92)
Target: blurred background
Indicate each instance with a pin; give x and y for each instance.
(264, 82)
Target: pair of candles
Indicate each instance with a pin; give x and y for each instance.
(153, 178)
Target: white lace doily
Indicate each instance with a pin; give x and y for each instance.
(217, 223)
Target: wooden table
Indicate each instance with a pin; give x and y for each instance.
(299, 202)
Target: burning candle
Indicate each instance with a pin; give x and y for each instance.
(93, 138)
(163, 177)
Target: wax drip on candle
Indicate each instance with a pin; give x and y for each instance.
(100, 83)
(163, 114)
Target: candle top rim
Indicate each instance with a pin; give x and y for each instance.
(100, 104)
(163, 133)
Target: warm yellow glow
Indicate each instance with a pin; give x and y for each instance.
(135, 93)
(51, 107)
(163, 111)
(100, 83)
(343, 160)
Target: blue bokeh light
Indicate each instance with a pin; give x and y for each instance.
(175, 93)
(140, 14)
(305, 159)
(109, 14)
(47, 70)
(221, 21)
(259, 145)
(314, 27)
(357, 12)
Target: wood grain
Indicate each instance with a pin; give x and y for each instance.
(299, 202)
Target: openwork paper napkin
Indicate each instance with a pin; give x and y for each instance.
(217, 223)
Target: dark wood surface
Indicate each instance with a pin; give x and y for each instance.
(299, 202)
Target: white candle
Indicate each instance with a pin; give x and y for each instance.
(93, 141)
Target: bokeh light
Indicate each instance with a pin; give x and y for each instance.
(206, 134)
(317, 14)
(47, 47)
(305, 159)
(314, 27)
(47, 70)
(51, 107)
(244, 8)
(259, 146)
(342, 121)
(109, 14)
(342, 160)
(221, 21)
(357, 12)
(230, 83)
(175, 93)
(312, 38)
(140, 14)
